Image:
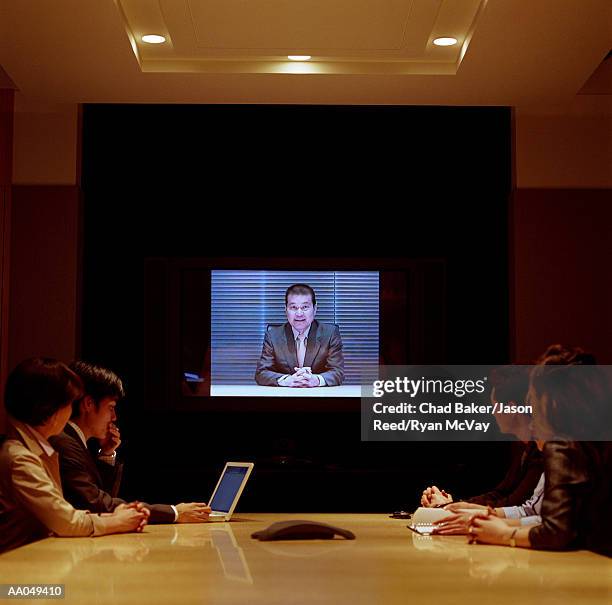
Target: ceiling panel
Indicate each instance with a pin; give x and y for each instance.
(510, 52)
(342, 36)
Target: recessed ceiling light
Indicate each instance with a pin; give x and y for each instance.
(299, 57)
(445, 41)
(153, 39)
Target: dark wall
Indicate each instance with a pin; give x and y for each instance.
(272, 181)
(45, 272)
(6, 176)
(562, 247)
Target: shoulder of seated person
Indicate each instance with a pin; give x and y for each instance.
(574, 452)
(60, 438)
(327, 328)
(13, 452)
(64, 441)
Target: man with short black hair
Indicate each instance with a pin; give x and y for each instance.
(92, 482)
(302, 352)
(38, 397)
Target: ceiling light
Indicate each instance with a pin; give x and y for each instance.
(445, 41)
(299, 57)
(153, 39)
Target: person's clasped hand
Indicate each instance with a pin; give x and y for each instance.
(303, 377)
(134, 515)
(460, 522)
(488, 528)
(432, 496)
(452, 525)
(456, 507)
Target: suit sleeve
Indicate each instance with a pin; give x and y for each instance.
(161, 513)
(519, 482)
(567, 484)
(266, 374)
(111, 476)
(524, 487)
(80, 487)
(82, 490)
(334, 364)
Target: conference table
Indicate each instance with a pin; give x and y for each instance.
(386, 563)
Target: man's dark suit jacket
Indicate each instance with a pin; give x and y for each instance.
(526, 468)
(90, 484)
(323, 354)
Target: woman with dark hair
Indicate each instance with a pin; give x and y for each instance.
(571, 405)
(38, 397)
(510, 384)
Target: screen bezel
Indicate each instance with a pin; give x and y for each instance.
(163, 352)
(249, 466)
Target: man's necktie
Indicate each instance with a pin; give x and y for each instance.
(300, 346)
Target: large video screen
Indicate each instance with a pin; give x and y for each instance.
(252, 333)
(293, 333)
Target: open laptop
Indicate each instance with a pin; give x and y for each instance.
(228, 489)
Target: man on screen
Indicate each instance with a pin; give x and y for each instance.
(301, 352)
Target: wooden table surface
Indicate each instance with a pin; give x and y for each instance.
(387, 563)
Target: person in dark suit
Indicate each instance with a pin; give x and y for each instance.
(91, 481)
(38, 398)
(572, 411)
(510, 384)
(302, 352)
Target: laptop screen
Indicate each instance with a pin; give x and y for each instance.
(228, 488)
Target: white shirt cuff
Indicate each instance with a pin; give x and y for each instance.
(512, 512)
(175, 512)
(280, 382)
(531, 520)
(322, 382)
(108, 458)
